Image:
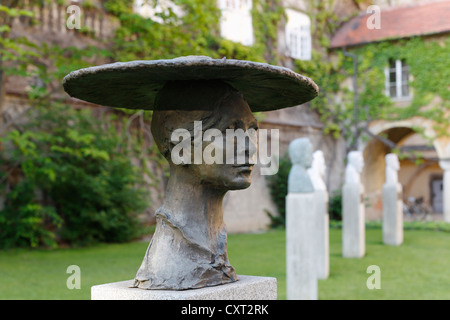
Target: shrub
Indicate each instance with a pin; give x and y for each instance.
(278, 190)
(335, 205)
(77, 182)
(25, 223)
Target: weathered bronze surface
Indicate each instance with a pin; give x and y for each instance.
(135, 84)
(189, 247)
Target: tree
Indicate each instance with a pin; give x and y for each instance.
(67, 174)
(14, 53)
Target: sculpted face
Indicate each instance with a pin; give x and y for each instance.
(300, 152)
(218, 134)
(392, 161)
(195, 128)
(356, 160)
(319, 162)
(238, 154)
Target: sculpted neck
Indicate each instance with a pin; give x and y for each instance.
(190, 240)
(352, 176)
(194, 208)
(391, 176)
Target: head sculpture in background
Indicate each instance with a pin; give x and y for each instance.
(300, 153)
(392, 167)
(318, 170)
(355, 165)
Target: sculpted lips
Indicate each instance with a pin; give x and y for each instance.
(243, 167)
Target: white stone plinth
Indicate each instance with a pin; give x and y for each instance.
(392, 215)
(353, 221)
(445, 165)
(446, 195)
(322, 224)
(301, 238)
(246, 288)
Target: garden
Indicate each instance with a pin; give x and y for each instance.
(78, 181)
(414, 271)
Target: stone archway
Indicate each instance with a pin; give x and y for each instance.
(416, 179)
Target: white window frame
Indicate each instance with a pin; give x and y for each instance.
(399, 68)
(147, 9)
(236, 23)
(298, 35)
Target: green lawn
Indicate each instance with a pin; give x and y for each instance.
(416, 270)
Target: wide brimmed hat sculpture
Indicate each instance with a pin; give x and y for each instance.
(189, 247)
(135, 84)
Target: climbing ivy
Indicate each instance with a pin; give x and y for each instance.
(426, 57)
(102, 195)
(140, 38)
(196, 32)
(267, 17)
(326, 70)
(428, 64)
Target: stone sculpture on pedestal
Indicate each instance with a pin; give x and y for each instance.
(301, 235)
(318, 170)
(392, 203)
(300, 153)
(392, 167)
(317, 174)
(445, 165)
(353, 219)
(189, 247)
(354, 167)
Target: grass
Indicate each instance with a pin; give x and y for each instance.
(41, 274)
(415, 270)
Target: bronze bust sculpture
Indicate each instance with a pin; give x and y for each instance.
(189, 247)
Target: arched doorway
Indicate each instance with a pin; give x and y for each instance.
(420, 174)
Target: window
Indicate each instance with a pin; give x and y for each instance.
(236, 21)
(397, 79)
(154, 10)
(298, 35)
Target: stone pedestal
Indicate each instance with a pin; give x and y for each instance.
(301, 235)
(446, 194)
(392, 215)
(246, 288)
(322, 223)
(445, 165)
(353, 221)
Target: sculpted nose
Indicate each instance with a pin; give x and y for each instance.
(252, 147)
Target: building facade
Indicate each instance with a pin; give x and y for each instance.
(296, 40)
(418, 137)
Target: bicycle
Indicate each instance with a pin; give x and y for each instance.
(416, 209)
